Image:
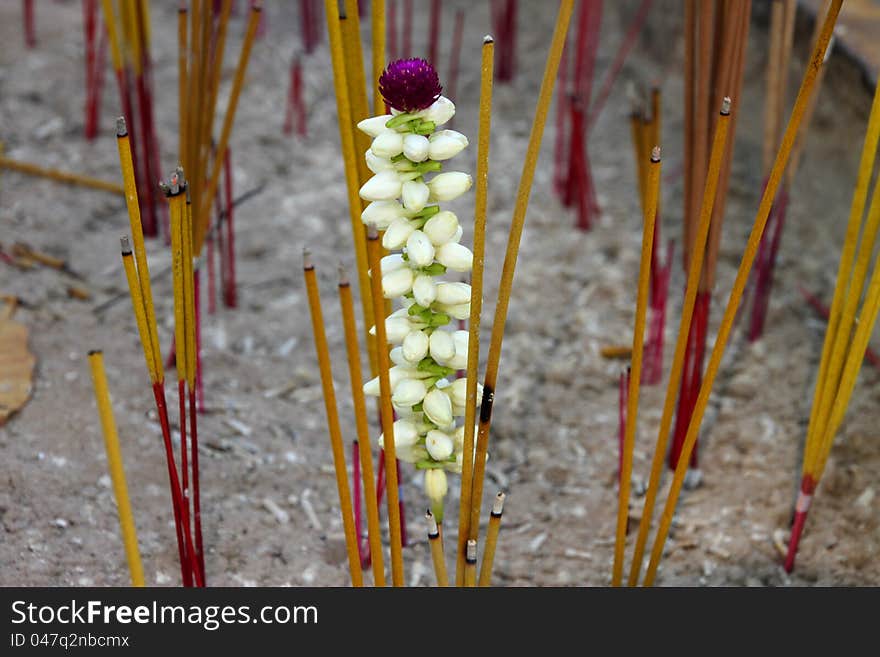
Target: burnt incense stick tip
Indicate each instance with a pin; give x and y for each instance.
(94, 352)
(343, 276)
(488, 39)
(498, 505)
(471, 552)
(433, 530)
(655, 154)
(175, 184)
(121, 128)
(486, 404)
(125, 243)
(725, 106)
(308, 265)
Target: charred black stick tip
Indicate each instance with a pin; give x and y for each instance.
(308, 265)
(488, 39)
(125, 244)
(95, 352)
(486, 404)
(121, 128)
(655, 155)
(725, 106)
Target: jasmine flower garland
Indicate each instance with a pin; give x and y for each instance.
(406, 148)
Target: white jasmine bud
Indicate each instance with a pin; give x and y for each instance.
(435, 485)
(455, 256)
(396, 329)
(441, 346)
(395, 376)
(415, 194)
(397, 233)
(412, 454)
(391, 262)
(452, 294)
(415, 147)
(409, 392)
(458, 233)
(424, 290)
(458, 393)
(374, 125)
(445, 144)
(460, 339)
(396, 356)
(405, 434)
(438, 408)
(384, 186)
(419, 249)
(459, 311)
(415, 347)
(441, 227)
(449, 185)
(440, 111)
(438, 444)
(397, 283)
(387, 143)
(376, 163)
(381, 213)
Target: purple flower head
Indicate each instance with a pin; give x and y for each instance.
(409, 85)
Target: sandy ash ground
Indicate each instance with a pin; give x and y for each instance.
(554, 431)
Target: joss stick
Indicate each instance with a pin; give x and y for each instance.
(323, 353)
(377, 36)
(437, 557)
(387, 412)
(516, 228)
(635, 378)
(117, 472)
(61, 176)
(491, 541)
(476, 308)
(363, 431)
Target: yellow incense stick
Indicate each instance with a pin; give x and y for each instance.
(349, 157)
(377, 37)
(806, 90)
(137, 302)
(117, 472)
(695, 266)
(435, 540)
(354, 562)
(491, 541)
(60, 176)
(480, 203)
(516, 228)
(363, 429)
(632, 406)
(392, 496)
(349, 23)
(112, 35)
(137, 238)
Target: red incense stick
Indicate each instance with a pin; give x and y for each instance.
(30, 30)
(230, 297)
(434, 32)
(406, 50)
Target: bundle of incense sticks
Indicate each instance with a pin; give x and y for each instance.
(187, 522)
(96, 55)
(716, 35)
(504, 25)
(573, 178)
(295, 104)
(128, 30)
(851, 321)
(310, 24)
(701, 244)
(351, 97)
(778, 61)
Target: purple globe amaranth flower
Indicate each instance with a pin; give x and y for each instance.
(410, 85)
